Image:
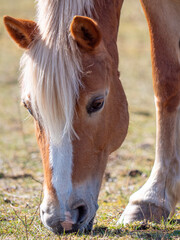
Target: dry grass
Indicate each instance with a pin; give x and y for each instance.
(20, 164)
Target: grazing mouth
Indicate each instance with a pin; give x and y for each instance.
(75, 229)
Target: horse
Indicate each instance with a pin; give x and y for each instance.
(70, 85)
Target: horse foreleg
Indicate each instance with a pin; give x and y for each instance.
(160, 194)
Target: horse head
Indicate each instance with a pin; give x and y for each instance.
(71, 86)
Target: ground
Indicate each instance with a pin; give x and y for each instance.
(21, 173)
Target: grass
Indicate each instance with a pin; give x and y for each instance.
(21, 173)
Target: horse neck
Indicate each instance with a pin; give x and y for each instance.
(107, 15)
(108, 18)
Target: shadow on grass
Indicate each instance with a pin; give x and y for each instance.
(108, 233)
(20, 176)
(125, 232)
(174, 221)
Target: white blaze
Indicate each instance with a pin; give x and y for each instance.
(61, 164)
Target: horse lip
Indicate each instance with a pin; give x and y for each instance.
(90, 225)
(68, 226)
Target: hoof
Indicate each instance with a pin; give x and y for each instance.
(144, 211)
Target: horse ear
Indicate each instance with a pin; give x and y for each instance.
(22, 31)
(85, 32)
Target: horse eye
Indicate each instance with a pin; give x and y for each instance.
(95, 105)
(27, 107)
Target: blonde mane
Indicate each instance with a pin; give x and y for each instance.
(51, 68)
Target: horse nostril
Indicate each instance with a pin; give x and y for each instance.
(82, 211)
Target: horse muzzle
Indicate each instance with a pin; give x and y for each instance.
(78, 219)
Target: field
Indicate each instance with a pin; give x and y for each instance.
(21, 173)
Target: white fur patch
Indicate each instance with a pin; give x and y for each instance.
(61, 164)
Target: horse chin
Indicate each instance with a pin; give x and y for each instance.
(89, 226)
(84, 229)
